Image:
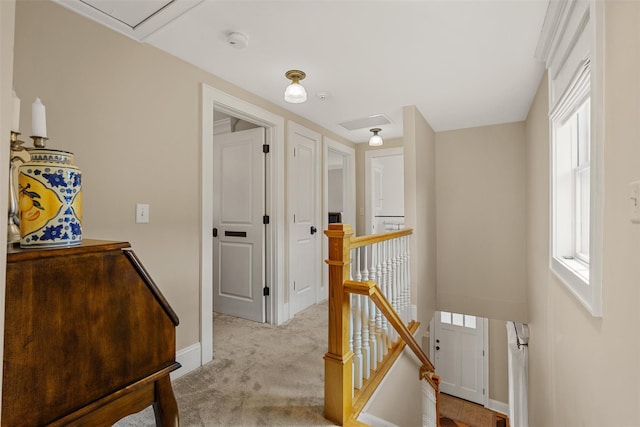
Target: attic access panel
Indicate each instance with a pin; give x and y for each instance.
(136, 19)
(132, 13)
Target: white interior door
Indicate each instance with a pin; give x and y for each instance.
(239, 233)
(459, 355)
(305, 224)
(384, 188)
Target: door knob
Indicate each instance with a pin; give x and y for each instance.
(313, 230)
(437, 347)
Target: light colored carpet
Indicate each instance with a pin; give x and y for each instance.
(261, 375)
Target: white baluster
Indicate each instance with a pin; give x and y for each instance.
(407, 282)
(373, 342)
(357, 341)
(402, 302)
(356, 325)
(379, 333)
(386, 291)
(356, 259)
(366, 351)
(393, 284)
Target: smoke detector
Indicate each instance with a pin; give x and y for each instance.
(237, 40)
(322, 95)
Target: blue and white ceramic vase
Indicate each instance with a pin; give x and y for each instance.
(50, 200)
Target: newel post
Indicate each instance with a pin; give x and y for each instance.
(338, 382)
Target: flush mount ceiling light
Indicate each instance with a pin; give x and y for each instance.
(375, 140)
(295, 92)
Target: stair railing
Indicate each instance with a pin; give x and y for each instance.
(369, 321)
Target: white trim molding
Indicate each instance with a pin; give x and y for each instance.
(189, 358)
(572, 44)
(497, 406)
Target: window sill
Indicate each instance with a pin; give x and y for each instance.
(577, 267)
(574, 275)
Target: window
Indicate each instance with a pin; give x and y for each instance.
(571, 128)
(457, 319)
(572, 46)
(572, 184)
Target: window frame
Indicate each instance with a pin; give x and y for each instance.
(581, 275)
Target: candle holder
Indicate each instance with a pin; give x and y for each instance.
(13, 227)
(39, 141)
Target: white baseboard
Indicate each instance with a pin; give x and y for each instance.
(497, 406)
(189, 358)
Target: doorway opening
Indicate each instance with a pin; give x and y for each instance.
(239, 213)
(339, 194)
(384, 190)
(221, 102)
(459, 351)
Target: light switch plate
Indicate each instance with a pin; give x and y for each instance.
(142, 213)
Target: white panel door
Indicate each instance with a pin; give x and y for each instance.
(304, 201)
(459, 355)
(238, 210)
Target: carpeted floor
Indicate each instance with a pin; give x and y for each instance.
(261, 375)
(264, 375)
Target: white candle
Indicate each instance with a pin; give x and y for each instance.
(15, 123)
(38, 119)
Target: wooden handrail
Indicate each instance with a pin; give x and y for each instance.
(360, 241)
(371, 290)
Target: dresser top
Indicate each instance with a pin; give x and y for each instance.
(16, 253)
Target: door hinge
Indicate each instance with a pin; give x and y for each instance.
(482, 353)
(265, 219)
(265, 291)
(265, 148)
(215, 232)
(483, 392)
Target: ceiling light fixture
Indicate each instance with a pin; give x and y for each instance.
(295, 92)
(375, 140)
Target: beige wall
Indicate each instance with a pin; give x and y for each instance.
(419, 208)
(131, 114)
(480, 219)
(585, 371)
(7, 22)
(498, 362)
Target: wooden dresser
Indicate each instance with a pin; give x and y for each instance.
(88, 338)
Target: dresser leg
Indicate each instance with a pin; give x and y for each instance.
(165, 406)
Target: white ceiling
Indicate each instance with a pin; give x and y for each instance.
(462, 63)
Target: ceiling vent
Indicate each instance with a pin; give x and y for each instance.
(366, 122)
